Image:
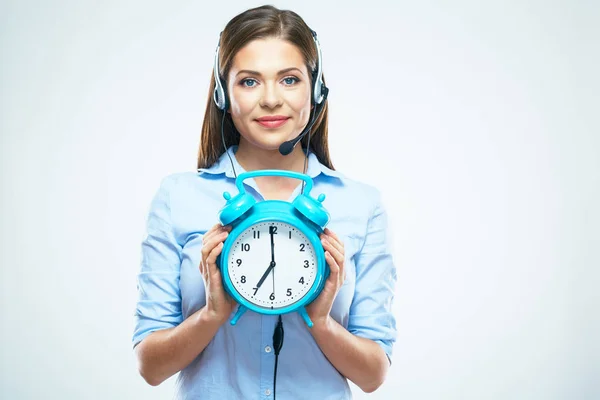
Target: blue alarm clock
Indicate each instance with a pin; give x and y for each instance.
(272, 261)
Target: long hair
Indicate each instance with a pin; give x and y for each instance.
(258, 23)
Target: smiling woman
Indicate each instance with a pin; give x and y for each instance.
(270, 91)
(268, 66)
(267, 94)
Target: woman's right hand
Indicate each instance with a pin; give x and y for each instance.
(219, 303)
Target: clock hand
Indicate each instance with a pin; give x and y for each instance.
(262, 279)
(272, 244)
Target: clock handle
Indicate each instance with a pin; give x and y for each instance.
(273, 172)
(305, 317)
(240, 311)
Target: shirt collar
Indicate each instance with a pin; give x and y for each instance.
(223, 165)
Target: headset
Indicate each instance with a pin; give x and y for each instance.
(319, 95)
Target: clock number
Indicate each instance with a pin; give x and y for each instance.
(305, 263)
(289, 292)
(301, 246)
(256, 234)
(290, 234)
(273, 230)
(245, 246)
(243, 279)
(238, 262)
(301, 280)
(272, 296)
(255, 290)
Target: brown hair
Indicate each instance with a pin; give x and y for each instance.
(258, 23)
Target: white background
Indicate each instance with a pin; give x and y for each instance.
(478, 120)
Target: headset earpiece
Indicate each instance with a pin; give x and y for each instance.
(318, 84)
(220, 94)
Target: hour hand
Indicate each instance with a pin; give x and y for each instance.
(262, 279)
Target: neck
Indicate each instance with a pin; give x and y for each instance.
(253, 158)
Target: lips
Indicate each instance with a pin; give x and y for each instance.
(272, 121)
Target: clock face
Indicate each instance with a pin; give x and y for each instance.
(272, 264)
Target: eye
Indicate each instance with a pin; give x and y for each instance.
(290, 80)
(248, 82)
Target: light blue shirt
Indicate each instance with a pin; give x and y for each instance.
(238, 363)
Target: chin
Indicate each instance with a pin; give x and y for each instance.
(266, 143)
(269, 140)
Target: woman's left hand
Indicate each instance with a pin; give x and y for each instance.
(319, 309)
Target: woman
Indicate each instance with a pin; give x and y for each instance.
(268, 65)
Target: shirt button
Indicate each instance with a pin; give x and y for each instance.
(267, 392)
(268, 350)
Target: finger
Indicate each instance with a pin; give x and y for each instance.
(211, 260)
(341, 271)
(212, 243)
(212, 229)
(329, 232)
(211, 264)
(215, 230)
(328, 245)
(334, 269)
(335, 240)
(204, 267)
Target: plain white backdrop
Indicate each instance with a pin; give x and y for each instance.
(478, 121)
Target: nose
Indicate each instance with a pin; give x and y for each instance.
(271, 96)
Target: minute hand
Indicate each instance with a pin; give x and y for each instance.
(272, 245)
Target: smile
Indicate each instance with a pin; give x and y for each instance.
(272, 123)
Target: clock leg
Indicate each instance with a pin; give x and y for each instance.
(241, 310)
(305, 317)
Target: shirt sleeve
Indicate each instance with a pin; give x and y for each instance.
(159, 297)
(371, 314)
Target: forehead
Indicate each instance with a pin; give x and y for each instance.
(268, 56)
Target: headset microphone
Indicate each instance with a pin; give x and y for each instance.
(286, 147)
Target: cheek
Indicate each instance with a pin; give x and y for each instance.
(240, 105)
(301, 105)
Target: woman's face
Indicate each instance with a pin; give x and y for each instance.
(268, 78)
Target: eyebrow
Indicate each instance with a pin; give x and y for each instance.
(283, 71)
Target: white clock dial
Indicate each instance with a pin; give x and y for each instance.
(254, 277)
